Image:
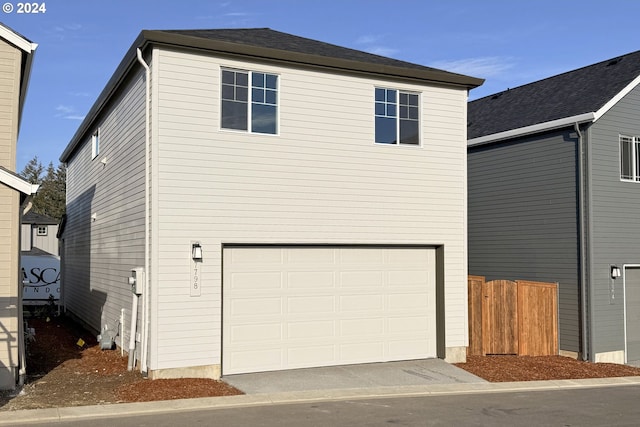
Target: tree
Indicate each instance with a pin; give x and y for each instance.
(51, 197)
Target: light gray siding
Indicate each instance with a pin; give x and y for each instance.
(104, 233)
(30, 239)
(322, 180)
(616, 230)
(523, 217)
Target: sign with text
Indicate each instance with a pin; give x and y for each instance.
(40, 277)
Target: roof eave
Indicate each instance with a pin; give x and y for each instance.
(147, 37)
(263, 53)
(14, 181)
(529, 130)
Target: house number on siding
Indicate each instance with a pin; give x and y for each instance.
(196, 278)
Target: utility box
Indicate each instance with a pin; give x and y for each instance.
(136, 280)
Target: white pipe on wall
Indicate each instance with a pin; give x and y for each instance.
(132, 337)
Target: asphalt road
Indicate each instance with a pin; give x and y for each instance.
(612, 406)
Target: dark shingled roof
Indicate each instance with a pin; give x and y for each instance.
(584, 90)
(36, 218)
(271, 39)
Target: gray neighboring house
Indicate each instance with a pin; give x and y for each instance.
(39, 235)
(284, 203)
(554, 195)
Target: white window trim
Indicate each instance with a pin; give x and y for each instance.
(635, 146)
(420, 133)
(95, 144)
(43, 227)
(249, 102)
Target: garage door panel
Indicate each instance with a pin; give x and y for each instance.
(311, 279)
(311, 304)
(360, 328)
(361, 256)
(256, 306)
(359, 303)
(332, 306)
(263, 332)
(311, 330)
(361, 279)
(411, 301)
(310, 355)
(313, 257)
(409, 278)
(257, 281)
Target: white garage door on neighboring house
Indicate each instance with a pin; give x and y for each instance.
(299, 307)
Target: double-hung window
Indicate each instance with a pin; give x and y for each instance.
(249, 101)
(630, 158)
(397, 117)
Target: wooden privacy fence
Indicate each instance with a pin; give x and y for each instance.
(507, 317)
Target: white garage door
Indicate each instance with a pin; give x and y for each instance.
(299, 307)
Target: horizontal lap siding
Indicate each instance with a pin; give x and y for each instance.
(616, 231)
(321, 180)
(523, 218)
(10, 64)
(100, 254)
(9, 215)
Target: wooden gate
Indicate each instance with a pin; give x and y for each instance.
(507, 317)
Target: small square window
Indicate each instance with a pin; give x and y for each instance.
(397, 117)
(254, 110)
(42, 230)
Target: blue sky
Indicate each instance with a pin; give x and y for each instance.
(506, 42)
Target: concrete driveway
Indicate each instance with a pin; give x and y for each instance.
(372, 375)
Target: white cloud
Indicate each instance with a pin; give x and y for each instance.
(490, 66)
(367, 39)
(64, 109)
(67, 112)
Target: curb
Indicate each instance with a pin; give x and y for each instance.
(129, 409)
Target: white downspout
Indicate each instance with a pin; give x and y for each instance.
(147, 149)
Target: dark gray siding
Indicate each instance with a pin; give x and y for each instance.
(615, 217)
(523, 217)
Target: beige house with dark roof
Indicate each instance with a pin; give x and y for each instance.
(16, 54)
(293, 204)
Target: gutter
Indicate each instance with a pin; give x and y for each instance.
(147, 146)
(584, 313)
(22, 356)
(528, 130)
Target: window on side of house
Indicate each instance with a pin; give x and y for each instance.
(629, 158)
(397, 117)
(249, 101)
(42, 230)
(95, 144)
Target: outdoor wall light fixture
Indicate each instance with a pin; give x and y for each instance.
(196, 252)
(615, 272)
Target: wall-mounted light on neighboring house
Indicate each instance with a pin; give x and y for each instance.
(196, 252)
(615, 272)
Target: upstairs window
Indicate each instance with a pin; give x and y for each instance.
(95, 144)
(249, 101)
(629, 158)
(42, 230)
(397, 117)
